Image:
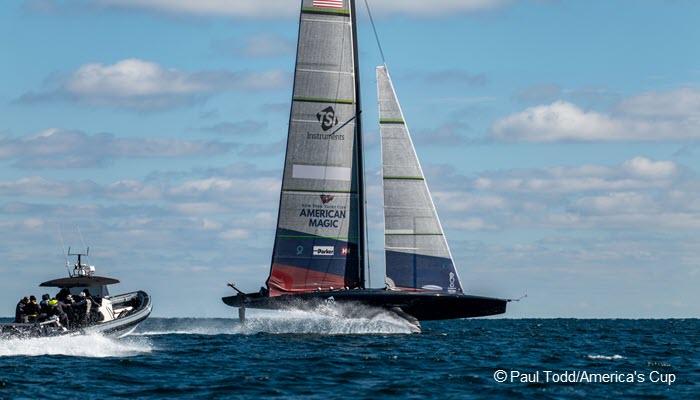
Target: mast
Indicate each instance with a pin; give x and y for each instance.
(360, 158)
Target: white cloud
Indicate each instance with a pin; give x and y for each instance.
(290, 9)
(199, 208)
(33, 223)
(130, 78)
(209, 224)
(147, 86)
(673, 115)
(682, 103)
(232, 234)
(556, 122)
(635, 174)
(646, 168)
(467, 224)
(38, 186)
(637, 194)
(217, 186)
(58, 149)
(458, 201)
(132, 190)
(616, 203)
(217, 8)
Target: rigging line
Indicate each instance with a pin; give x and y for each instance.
(374, 28)
(346, 122)
(63, 247)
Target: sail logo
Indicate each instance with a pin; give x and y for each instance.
(324, 250)
(327, 118)
(452, 288)
(326, 198)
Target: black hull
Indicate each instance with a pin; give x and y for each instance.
(420, 305)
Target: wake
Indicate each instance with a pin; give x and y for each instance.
(322, 320)
(91, 346)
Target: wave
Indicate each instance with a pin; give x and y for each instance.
(600, 357)
(323, 320)
(92, 346)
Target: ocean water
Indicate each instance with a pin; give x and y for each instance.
(320, 355)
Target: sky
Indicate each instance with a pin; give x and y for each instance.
(560, 141)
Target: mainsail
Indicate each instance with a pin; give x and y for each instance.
(319, 240)
(417, 255)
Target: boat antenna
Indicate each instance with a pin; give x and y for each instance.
(87, 249)
(374, 28)
(63, 248)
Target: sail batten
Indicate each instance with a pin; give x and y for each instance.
(417, 254)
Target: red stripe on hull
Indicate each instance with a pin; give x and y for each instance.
(286, 279)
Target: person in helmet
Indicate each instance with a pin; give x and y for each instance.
(58, 308)
(83, 307)
(70, 310)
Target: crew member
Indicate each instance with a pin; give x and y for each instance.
(83, 306)
(20, 313)
(31, 309)
(61, 296)
(58, 311)
(44, 308)
(71, 311)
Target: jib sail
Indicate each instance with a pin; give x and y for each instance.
(417, 255)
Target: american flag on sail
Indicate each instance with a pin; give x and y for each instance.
(328, 3)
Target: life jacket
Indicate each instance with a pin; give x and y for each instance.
(31, 309)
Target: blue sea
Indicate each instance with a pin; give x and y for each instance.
(304, 355)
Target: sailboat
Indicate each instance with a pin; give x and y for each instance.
(319, 254)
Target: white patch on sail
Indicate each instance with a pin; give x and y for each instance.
(399, 231)
(321, 172)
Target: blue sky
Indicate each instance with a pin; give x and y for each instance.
(560, 140)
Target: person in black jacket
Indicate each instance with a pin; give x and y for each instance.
(31, 309)
(71, 310)
(61, 296)
(20, 314)
(44, 308)
(83, 307)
